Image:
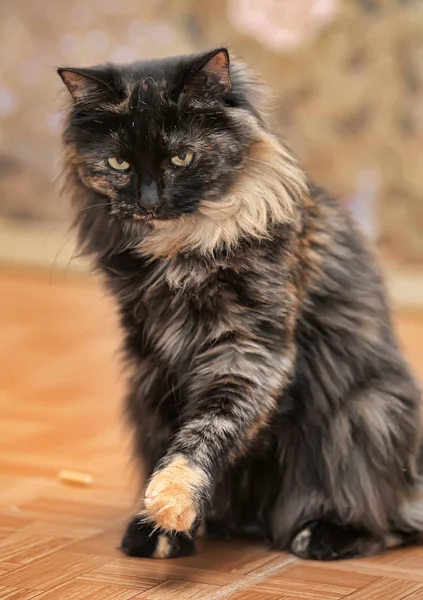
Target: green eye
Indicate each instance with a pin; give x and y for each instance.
(182, 160)
(118, 164)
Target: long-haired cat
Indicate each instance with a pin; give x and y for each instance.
(267, 391)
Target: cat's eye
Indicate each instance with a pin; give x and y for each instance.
(182, 160)
(118, 164)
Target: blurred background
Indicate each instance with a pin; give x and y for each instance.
(347, 85)
(347, 80)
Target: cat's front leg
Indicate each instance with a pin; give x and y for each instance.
(148, 405)
(232, 395)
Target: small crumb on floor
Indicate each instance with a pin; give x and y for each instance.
(75, 478)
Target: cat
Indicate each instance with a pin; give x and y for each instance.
(267, 392)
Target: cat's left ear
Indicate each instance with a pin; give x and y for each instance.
(209, 76)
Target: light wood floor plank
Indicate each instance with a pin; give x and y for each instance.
(60, 391)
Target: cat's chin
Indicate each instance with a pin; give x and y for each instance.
(151, 219)
(131, 217)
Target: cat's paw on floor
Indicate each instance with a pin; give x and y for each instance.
(144, 540)
(322, 540)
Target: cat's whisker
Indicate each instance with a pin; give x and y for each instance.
(73, 256)
(66, 238)
(52, 231)
(106, 204)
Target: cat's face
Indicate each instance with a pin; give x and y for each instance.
(173, 155)
(156, 139)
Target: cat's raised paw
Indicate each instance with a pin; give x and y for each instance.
(170, 498)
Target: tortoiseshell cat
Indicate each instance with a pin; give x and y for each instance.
(267, 392)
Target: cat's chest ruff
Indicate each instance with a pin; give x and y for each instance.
(187, 309)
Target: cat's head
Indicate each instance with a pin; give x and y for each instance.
(172, 155)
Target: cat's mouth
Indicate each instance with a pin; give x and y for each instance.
(145, 218)
(141, 217)
(131, 215)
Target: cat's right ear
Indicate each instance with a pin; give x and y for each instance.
(83, 83)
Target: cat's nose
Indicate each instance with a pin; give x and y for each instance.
(149, 197)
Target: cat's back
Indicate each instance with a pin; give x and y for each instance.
(341, 271)
(344, 336)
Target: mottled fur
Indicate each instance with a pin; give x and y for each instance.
(267, 392)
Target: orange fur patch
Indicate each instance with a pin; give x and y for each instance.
(170, 495)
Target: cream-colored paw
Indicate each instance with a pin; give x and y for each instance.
(170, 496)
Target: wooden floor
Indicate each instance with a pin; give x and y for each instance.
(59, 398)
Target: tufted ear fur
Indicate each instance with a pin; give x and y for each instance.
(84, 83)
(209, 76)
